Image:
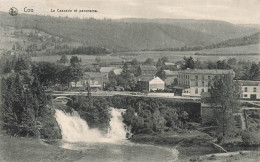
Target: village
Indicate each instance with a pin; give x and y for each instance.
(165, 79)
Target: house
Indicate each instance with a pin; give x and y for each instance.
(148, 83)
(116, 70)
(171, 66)
(147, 70)
(107, 69)
(95, 80)
(196, 81)
(171, 77)
(250, 89)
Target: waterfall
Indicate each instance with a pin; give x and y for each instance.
(75, 129)
(118, 130)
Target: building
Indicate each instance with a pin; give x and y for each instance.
(96, 80)
(149, 83)
(116, 70)
(147, 70)
(250, 89)
(193, 82)
(171, 77)
(171, 66)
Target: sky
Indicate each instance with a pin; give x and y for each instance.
(234, 11)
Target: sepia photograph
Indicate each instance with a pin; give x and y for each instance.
(129, 80)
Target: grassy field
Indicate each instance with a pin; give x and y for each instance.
(14, 149)
(173, 56)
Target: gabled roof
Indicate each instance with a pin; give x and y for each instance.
(248, 82)
(145, 78)
(148, 68)
(207, 71)
(169, 64)
(95, 74)
(107, 69)
(169, 72)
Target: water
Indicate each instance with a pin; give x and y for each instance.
(112, 146)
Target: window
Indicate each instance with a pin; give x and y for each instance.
(203, 84)
(208, 77)
(196, 77)
(202, 77)
(245, 89)
(202, 90)
(254, 89)
(196, 91)
(196, 83)
(245, 95)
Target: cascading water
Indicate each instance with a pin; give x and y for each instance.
(75, 129)
(107, 147)
(118, 130)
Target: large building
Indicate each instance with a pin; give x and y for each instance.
(150, 83)
(96, 80)
(171, 77)
(147, 70)
(250, 89)
(193, 82)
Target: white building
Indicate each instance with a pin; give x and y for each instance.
(250, 89)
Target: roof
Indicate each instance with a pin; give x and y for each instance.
(118, 71)
(107, 69)
(248, 82)
(169, 72)
(148, 68)
(145, 78)
(95, 74)
(207, 71)
(169, 64)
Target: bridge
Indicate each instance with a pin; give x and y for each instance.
(62, 97)
(169, 96)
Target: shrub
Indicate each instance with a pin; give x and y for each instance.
(250, 138)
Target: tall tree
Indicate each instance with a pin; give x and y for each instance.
(189, 63)
(225, 94)
(64, 59)
(148, 61)
(254, 72)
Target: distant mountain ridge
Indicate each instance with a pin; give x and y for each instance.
(129, 34)
(244, 41)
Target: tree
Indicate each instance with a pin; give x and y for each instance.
(254, 72)
(160, 65)
(112, 81)
(148, 61)
(76, 69)
(64, 59)
(164, 59)
(161, 74)
(21, 64)
(135, 63)
(225, 94)
(98, 60)
(127, 79)
(74, 60)
(189, 63)
(222, 65)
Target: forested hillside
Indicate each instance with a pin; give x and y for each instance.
(247, 40)
(121, 35)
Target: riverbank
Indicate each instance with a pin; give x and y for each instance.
(194, 146)
(18, 149)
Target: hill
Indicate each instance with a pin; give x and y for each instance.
(244, 41)
(126, 35)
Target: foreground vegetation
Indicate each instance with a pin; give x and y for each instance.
(17, 149)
